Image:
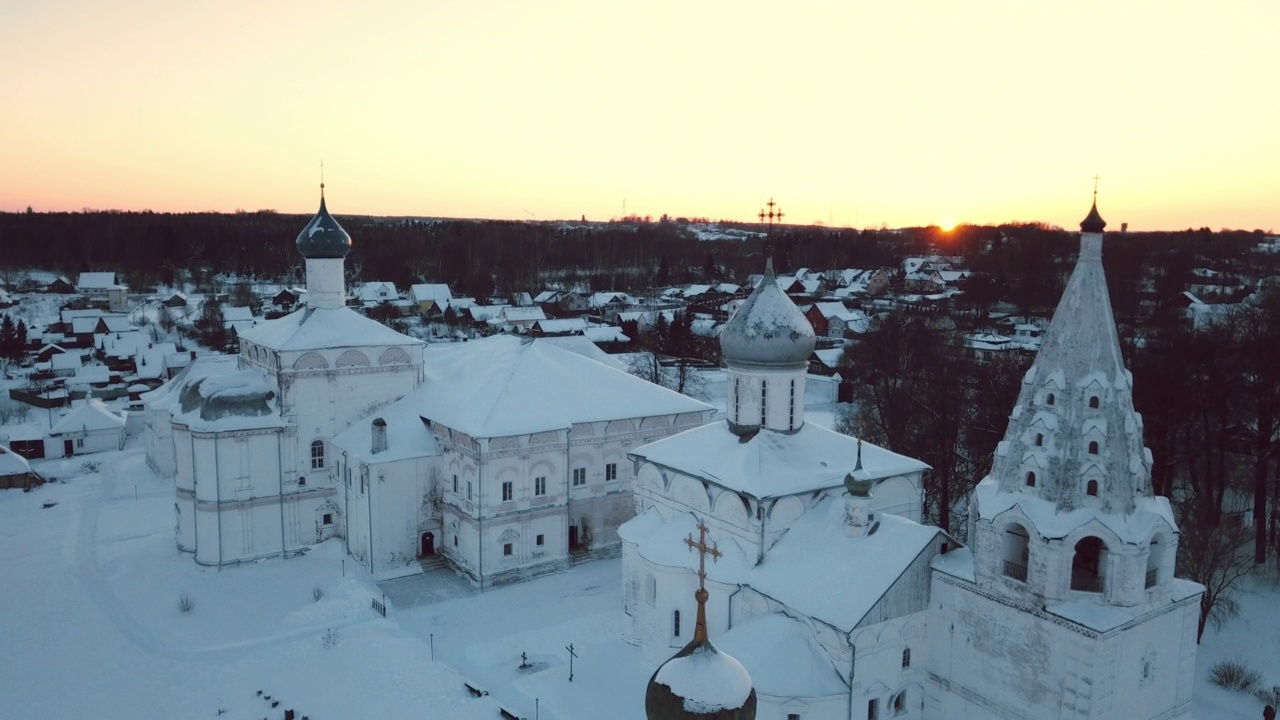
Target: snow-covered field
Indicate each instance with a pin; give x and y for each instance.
(90, 625)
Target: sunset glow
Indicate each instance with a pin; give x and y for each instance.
(850, 114)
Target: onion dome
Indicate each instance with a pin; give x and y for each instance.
(858, 481)
(700, 682)
(323, 237)
(1093, 223)
(768, 330)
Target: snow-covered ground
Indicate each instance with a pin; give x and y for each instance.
(90, 625)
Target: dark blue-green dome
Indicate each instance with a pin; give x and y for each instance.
(323, 237)
(1093, 223)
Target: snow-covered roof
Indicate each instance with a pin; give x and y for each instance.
(90, 416)
(227, 401)
(90, 375)
(783, 657)
(504, 385)
(11, 463)
(587, 348)
(815, 568)
(96, 280)
(827, 309)
(1054, 523)
(562, 325)
(773, 464)
(321, 328)
(702, 682)
(65, 361)
(378, 291)
(523, 314)
(407, 435)
(830, 357)
(605, 334)
(232, 313)
(166, 396)
(423, 292)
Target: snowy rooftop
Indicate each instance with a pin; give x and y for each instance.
(855, 572)
(322, 328)
(773, 464)
(504, 385)
(92, 415)
(96, 280)
(783, 658)
(407, 435)
(706, 679)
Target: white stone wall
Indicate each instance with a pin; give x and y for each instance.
(988, 657)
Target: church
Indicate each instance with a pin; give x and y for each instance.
(503, 458)
(837, 601)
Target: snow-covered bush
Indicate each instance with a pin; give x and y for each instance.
(317, 593)
(330, 639)
(186, 603)
(1234, 675)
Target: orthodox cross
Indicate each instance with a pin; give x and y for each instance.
(322, 178)
(703, 551)
(771, 215)
(700, 628)
(1096, 178)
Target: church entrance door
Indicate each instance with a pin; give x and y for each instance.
(573, 537)
(428, 545)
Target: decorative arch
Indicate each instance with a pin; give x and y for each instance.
(690, 492)
(582, 430)
(656, 421)
(310, 361)
(1015, 551)
(352, 358)
(786, 511)
(1089, 565)
(732, 508)
(544, 438)
(688, 419)
(619, 426)
(1155, 558)
(394, 356)
(509, 442)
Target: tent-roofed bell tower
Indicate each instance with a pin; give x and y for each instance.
(1067, 512)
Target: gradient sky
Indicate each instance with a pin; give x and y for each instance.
(849, 113)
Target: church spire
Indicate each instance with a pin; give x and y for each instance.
(1073, 436)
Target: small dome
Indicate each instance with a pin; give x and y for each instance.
(323, 237)
(700, 682)
(858, 481)
(768, 330)
(1093, 223)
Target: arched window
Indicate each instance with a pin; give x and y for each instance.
(906, 657)
(737, 400)
(1089, 565)
(1016, 552)
(1155, 556)
(675, 623)
(652, 589)
(1039, 439)
(1093, 447)
(791, 417)
(1091, 489)
(1031, 479)
(1093, 402)
(317, 454)
(1048, 400)
(302, 481)
(764, 402)
(899, 703)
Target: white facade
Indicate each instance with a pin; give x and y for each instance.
(1066, 605)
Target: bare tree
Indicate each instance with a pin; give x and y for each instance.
(1218, 558)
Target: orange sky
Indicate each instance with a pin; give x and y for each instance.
(848, 112)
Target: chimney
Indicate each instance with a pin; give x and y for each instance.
(379, 435)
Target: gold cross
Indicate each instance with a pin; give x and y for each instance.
(771, 215)
(1096, 178)
(703, 551)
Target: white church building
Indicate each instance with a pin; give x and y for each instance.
(840, 604)
(506, 458)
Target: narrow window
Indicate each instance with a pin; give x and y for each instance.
(793, 716)
(1092, 488)
(317, 455)
(1093, 447)
(579, 476)
(653, 590)
(675, 623)
(455, 541)
(1031, 479)
(455, 484)
(1048, 400)
(1093, 402)
(764, 402)
(611, 471)
(302, 481)
(540, 540)
(906, 657)
(540, 485)
(468, 489)
(508, 491)
(507, 549)
(791, 417)
(873, 709)
(900, 703)
(737, 405)
(1039, 439)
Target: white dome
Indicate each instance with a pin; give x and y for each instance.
(768, 330)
